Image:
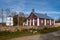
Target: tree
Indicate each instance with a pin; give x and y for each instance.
(7, 12)
(15, 20)
(14, 13)
(19, 19)
(21, 14)
(2, 15)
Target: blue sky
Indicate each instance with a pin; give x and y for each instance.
(51, 7)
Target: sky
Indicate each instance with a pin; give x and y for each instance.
(51, 7)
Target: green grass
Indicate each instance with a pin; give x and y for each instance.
(8, 35)
(48, 30)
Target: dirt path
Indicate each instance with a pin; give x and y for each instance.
(49, 36)
(34, 37)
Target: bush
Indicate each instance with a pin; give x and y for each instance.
(33, 29)
(48, 30)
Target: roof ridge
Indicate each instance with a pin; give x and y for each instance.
(40, 15)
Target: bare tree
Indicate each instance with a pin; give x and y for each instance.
(7, 11)
(2, 17)
(1, 14)
(21, 18)
(21, 14)
(14, 13)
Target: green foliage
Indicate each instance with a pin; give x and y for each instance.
(48, 30)
(7, 35)
(33, 29)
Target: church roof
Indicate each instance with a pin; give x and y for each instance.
(39, 15)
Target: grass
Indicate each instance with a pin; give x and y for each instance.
(48, 30)
(8, 35)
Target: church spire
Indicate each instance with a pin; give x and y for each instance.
(33, 10)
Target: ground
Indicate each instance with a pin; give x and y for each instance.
(48, 36)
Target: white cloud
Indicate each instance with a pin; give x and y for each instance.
(19, 6)
(51, 12)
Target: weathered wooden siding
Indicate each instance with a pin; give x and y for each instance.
(41, 21)
(47, 22)
(31, 16)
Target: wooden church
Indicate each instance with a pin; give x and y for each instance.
(38, 19)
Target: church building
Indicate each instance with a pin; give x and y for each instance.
(38, 19)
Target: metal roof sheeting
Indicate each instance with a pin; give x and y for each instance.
(39, 15)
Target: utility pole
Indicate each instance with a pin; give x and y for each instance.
(2, 16)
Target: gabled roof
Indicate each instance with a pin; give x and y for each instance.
(10, 16)
(39, 15)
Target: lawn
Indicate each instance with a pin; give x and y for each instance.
(26, 32)
(7, 35)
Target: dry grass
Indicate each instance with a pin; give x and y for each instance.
(57, 24)
(14, 28)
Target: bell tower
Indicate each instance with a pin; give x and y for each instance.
(33, 10)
